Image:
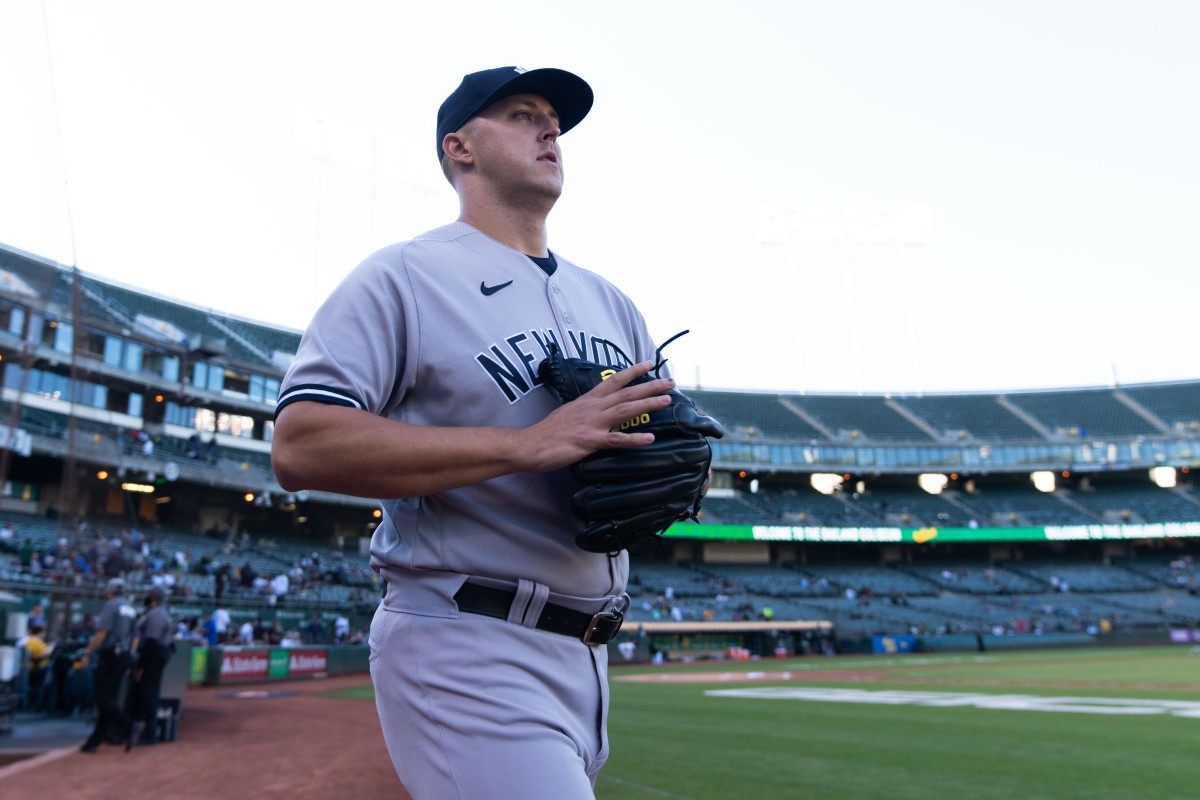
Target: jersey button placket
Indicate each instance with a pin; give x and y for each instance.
(558, 303)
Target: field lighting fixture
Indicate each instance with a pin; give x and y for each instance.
(1163, 477)
(932, 482)
(826, 483)
(1043, 480)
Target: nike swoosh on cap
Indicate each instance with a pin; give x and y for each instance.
(491, 290)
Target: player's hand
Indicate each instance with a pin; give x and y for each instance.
(592, 422)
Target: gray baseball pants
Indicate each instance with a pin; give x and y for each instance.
(477, 708)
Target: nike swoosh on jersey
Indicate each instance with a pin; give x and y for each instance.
(491, 290)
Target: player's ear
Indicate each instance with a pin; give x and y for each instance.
(457, 149)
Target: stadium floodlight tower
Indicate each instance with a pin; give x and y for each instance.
(790, 224)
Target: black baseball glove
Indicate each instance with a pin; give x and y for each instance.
(629, 495)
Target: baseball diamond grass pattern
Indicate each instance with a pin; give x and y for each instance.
(672, 740)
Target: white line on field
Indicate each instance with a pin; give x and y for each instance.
(646, 789)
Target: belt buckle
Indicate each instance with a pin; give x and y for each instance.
(603, 627)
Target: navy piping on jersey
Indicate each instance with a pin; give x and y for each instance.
(318, 393)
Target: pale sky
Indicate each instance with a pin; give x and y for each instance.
(244, 156)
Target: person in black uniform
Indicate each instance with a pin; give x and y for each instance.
(152, 642)
(111, 646)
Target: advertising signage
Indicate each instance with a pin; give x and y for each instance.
(268, 663)
(248, 665)
(1050, 533)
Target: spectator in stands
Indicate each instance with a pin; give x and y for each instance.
(220, 617)
(38, 652)
(246, 634)
(37, 616)
(115, 565)
(8, 538)
(341, 628)
(291, 639)
(316, 630)
(25, 552)
(279, 586)
(221, 580)
(208, 629)
(164, 579)
(336, 574)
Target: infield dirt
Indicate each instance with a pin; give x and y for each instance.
(232, 743)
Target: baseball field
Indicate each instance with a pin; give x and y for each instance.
(1091, 723)
(1095, 724)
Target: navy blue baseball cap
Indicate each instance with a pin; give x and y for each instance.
(569, 94)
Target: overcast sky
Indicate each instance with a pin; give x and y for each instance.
(244, 156)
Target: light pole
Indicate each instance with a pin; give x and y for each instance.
(898, 226)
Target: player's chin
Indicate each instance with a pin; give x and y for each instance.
(551, 174)
(539, 193)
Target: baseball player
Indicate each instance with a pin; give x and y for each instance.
(416, 382)
(111, 641)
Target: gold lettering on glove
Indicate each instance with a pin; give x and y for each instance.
(641, 419)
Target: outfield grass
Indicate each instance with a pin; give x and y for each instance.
(366, 692)
(670, 740)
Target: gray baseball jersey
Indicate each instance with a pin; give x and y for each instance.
(448, 329)
(155, 625)
(118, 618)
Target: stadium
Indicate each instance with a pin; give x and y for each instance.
(937, 269)
(855, 526)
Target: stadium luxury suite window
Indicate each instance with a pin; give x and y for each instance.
(208, 376)
(236, 383)
(12, 319)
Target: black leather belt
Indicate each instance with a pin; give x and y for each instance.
(588, 628)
